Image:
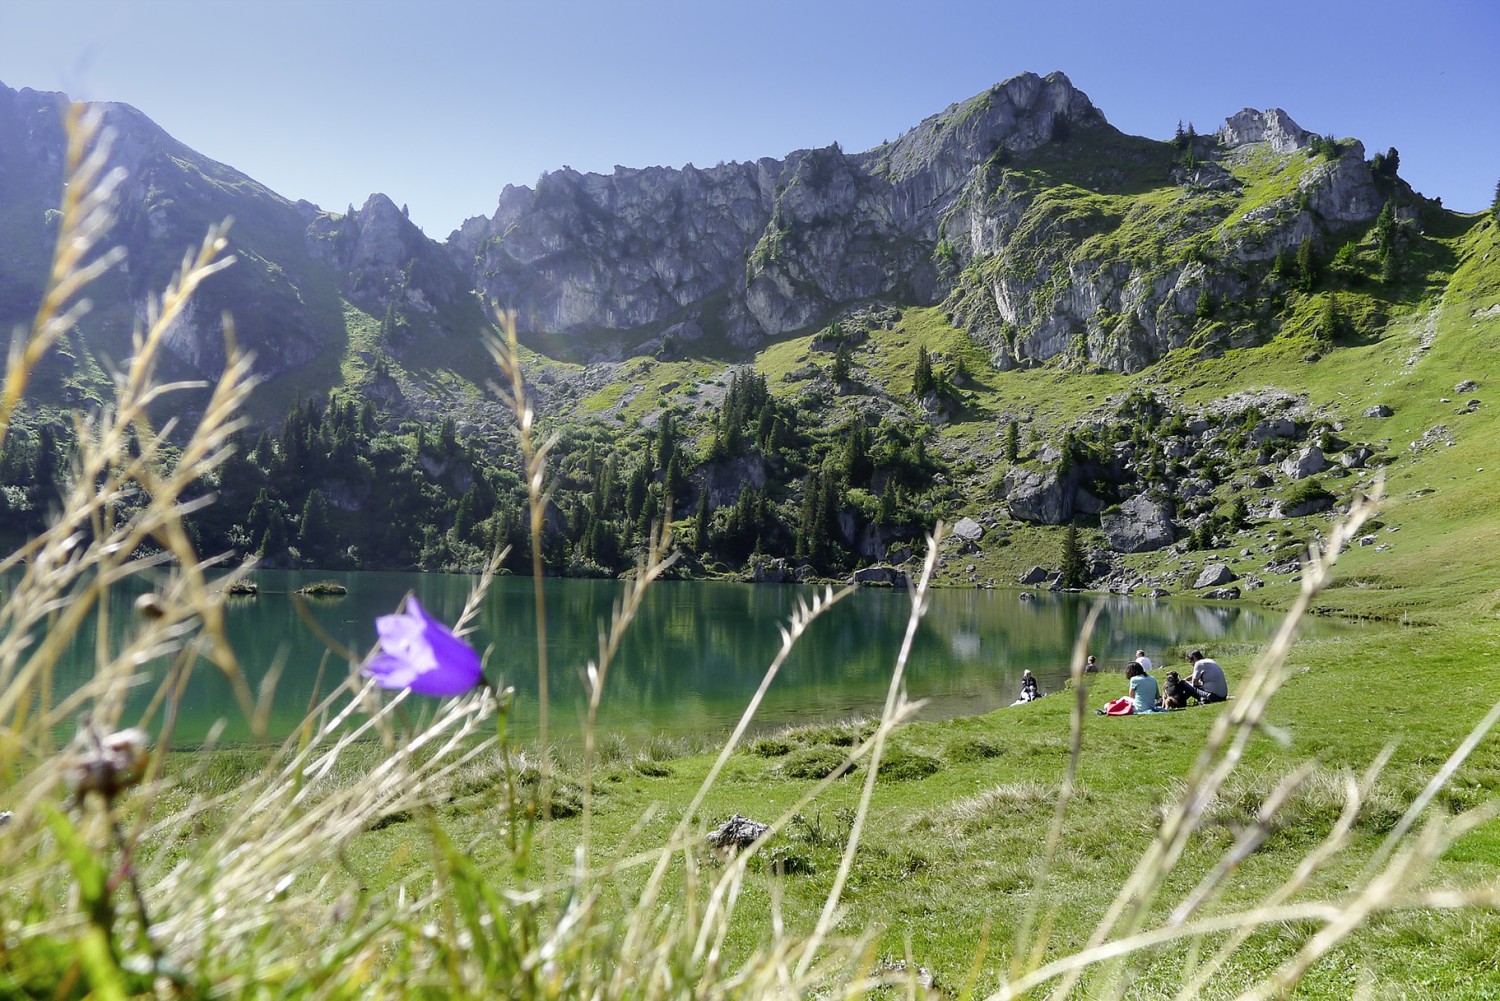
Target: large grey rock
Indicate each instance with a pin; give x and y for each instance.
(1214, 575)
(1305, 463)
(1038, 495)
(1272, 428)
(765, 570)
(1036, 575)
(969, 530)
(1379, 410)
(878, 575)
(1139, 525)
(1356, 457)
(1224, 594)
(737, 832)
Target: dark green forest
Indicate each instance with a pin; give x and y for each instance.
(340, 486)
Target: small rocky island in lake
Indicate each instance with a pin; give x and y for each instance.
(324, 589)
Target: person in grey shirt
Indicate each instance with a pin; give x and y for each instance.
(1208, 679)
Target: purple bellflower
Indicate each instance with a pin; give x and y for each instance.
(420, 653)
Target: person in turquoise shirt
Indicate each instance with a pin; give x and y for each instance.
(1142, 697)
(1143, 688)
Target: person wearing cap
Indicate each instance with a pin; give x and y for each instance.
(1208, 681)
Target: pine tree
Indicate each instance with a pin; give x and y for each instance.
(314, 530)
(922, 381)
(1013, 442)
(1307, 266)
(704, 521)
(666, 441)
(1205, 307)
(1075, 571)
(841, 364)
(1330, 323)
(1495, 205)
(1179, 138)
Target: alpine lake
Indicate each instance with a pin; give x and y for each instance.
(692, 658)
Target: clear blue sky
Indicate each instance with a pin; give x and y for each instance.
(439, 104)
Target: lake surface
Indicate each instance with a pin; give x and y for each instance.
(695, 655)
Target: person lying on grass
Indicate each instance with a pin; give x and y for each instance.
(1143, 696)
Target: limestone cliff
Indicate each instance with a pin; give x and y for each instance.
(1050, 233)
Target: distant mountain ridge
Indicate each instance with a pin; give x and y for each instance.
(1045, 232)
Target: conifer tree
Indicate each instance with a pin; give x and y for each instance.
(1307, 266)
(922, 381)
(704, 521)
(1075, 572)
(1013, 442)
(1330, 323)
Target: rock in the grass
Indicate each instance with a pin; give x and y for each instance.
(1272, 428)
(1368, 540)
(737, 832)
(1038, 495)
(1139, 525)
(1356, 457)
(5, 816)
(1224, 594)
(1305, 463)
(1214, 575)
(1379, 410)
(1036, 575)
(969, 530)
(1467, 386)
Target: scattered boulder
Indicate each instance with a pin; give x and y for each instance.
(1356, 457)
(1214, 575)
(1086, 503)
(969, 530)
(1467, 386)
(1305, 502)
(888, 575)
(1036, 575)
(770, 571)
(1139, 525)
(1379, 410)
(737, 832)
(1272, 428)
(1038, 495)
(1224, 594)
(1368, 540)
(1308, 462)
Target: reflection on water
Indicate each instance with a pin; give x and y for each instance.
(698, 649)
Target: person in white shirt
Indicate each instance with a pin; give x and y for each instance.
(1143, 660)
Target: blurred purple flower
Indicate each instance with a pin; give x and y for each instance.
(420, 653)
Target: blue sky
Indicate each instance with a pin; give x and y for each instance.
(440, 104)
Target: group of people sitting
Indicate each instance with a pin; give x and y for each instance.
(1205, 685)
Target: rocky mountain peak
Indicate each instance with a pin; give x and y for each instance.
(1022, 113)
(1273, 126)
